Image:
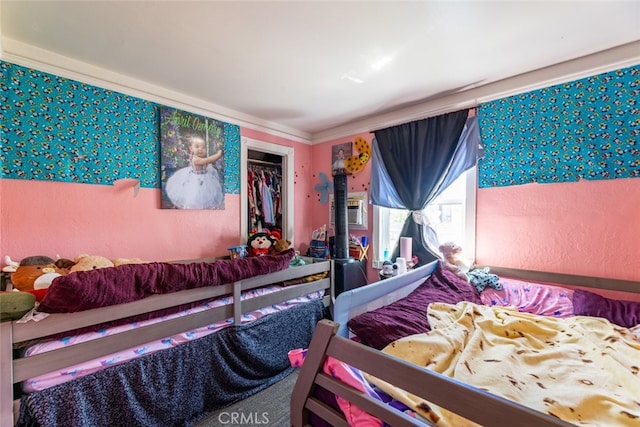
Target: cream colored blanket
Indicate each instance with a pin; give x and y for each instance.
(580, 369)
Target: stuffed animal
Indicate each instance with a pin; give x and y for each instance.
(260, 243)
(11, 265)
(90, 262)
(281, 245)
(65, 264)
(276, 233)
(388, 270)
(124, 261)
(35, 273)
(454, 260)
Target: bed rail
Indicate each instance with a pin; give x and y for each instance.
(471, 403)
(601, 283)
(366, 298)
(377, 294)
(11, 332)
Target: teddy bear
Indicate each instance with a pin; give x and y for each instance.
(90, 262)
(260, 243)
(65, 264)
(125, 261)
(454, 261)
(280, 245)
(10, 265)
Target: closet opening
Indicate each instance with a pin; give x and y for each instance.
(266, 189)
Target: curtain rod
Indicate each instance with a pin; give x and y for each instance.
(471, 112)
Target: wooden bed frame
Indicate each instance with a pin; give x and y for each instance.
(13, 371)
(331, 339)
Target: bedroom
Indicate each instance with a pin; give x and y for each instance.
(552, 227)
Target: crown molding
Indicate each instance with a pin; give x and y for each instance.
(30, 56)
(611, 59)
(600, 62)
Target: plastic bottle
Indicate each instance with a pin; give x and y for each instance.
(385, 255)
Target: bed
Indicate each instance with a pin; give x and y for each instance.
(468, 380)
(227, 325)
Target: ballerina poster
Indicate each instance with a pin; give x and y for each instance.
(192, 164)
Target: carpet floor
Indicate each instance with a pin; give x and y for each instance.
(269, 408)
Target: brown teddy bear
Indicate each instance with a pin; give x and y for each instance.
(125, 261)
(454, 261)
(281, 245)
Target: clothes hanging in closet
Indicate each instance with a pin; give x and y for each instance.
(264, 194)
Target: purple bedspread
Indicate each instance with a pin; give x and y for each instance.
(408, 315)
(85, 290)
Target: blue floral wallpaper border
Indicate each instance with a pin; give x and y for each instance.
(57, 129)
(588, 128)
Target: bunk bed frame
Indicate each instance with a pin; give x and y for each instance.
(14, 370)
(477, 405)
(331, 339)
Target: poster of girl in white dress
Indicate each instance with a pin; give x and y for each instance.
(192, 164)
(339, 154)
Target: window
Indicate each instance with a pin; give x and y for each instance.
(452, 215)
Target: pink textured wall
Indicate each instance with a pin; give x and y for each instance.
(587, 228)
(53, 218)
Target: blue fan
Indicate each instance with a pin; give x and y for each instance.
(324, 187)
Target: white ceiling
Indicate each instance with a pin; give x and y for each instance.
(315, 70)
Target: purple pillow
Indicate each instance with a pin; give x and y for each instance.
(408, 316)
(622, 313)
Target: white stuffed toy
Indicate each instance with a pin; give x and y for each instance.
(11, 266)
(454, 260)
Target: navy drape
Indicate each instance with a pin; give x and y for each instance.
(417, 157)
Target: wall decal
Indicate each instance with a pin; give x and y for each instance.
(358, 161)
(324, 187)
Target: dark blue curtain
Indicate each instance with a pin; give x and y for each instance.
(467, 154)
(413, 163)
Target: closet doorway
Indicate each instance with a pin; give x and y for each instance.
(259, 158)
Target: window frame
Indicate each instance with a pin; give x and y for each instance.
(381, 221)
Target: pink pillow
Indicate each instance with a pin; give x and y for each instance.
(528, 297)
